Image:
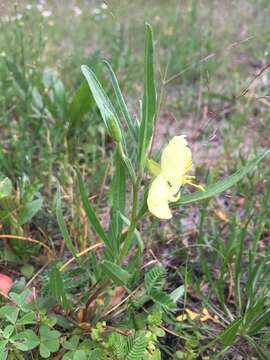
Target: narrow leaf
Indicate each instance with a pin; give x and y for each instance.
(229, 334)
(62, 225)
(103, 102)
(212, 189)
(222, 185)
(149, 98)
(121, 101)
(57, 288)
(260, 323)
(90, 213)
(118, 201)
(118, 275)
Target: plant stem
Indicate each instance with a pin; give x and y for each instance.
(132, 226)
(93, 297)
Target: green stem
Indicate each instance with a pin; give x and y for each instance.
(133, 222)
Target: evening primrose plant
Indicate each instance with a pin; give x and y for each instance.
(121, 242)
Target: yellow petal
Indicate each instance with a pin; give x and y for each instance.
(182, 317)
(191, 314)
(176, 160)
(158, 198)
(205, 315)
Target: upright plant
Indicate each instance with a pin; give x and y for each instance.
(132, 137)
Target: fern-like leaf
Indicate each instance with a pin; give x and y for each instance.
(137, 346)
(163, 299)
(155, 279)
(119, 345)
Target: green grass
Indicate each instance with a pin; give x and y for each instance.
(207, 53)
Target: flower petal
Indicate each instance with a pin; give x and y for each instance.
(158, 198)
(176, 160)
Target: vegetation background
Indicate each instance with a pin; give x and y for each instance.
(212, 61)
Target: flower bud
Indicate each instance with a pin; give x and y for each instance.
(114, 128)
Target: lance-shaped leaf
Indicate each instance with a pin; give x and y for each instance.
(121, 101)
(117, 274)
(222, 185)
(91, 215)
(149, 99)
(63, 227)
(57, 288)
(211, 190)
(118, 201)
(103, 102)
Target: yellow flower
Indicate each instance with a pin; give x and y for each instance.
(176, 161)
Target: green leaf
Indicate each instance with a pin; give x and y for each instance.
(10, 313)
(5, 188)
(20, 82)
(222, 185)
(27, 270)
(80, 355)
(178, 293)
(8, 330)
(212, 189)
(49, 341)
(103, 102)
(164, 300)
(118, 275)
(121, 101)
(260, 323)
(229, 334)
(118, 201)
(27, 319)
(137, 349)
(81, 103)
(3, 352)
(72, 343)
(155, 279)
(137, 234)
(90, 213)
(29, 210)
(19, 299)
(149, 99)
(25, 340)
(118, 344)
(63, 227)
(57, 288)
